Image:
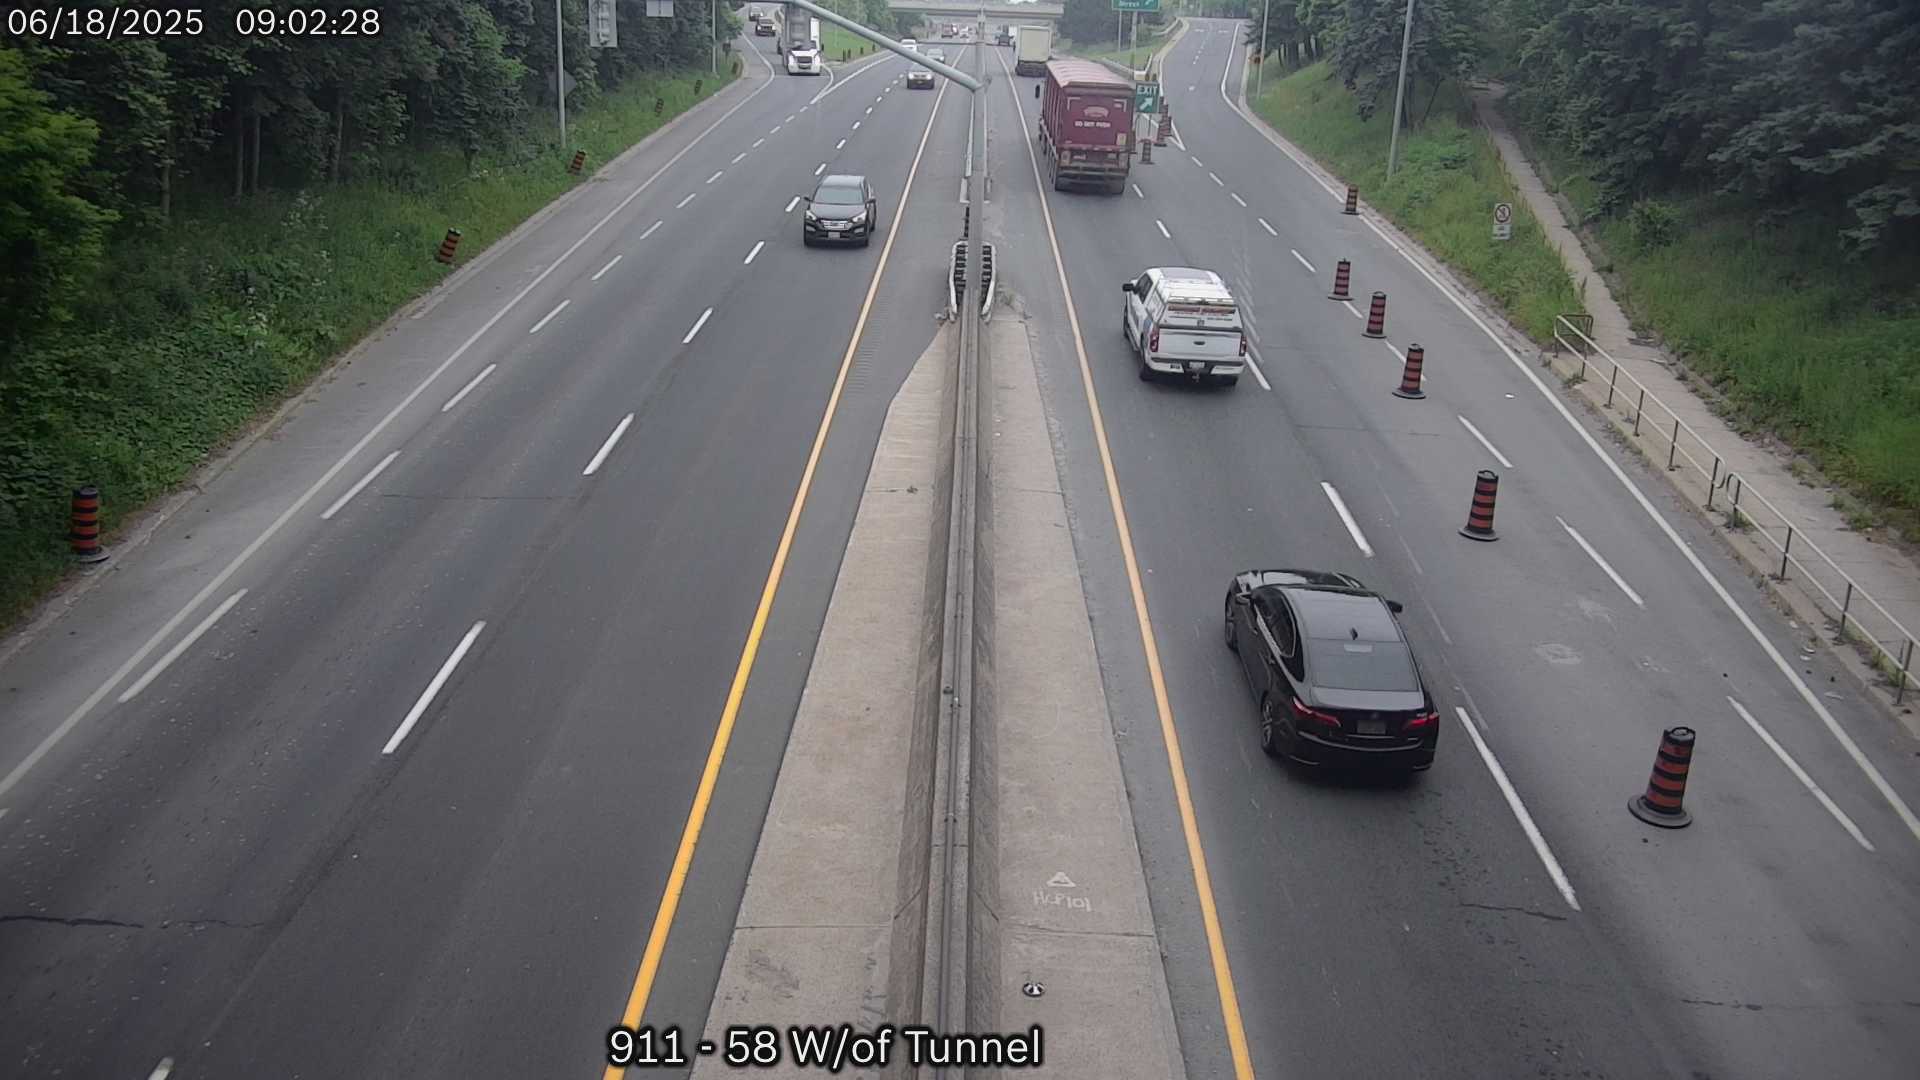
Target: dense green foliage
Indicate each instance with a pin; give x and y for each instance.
(191, 227)
(1748, 169)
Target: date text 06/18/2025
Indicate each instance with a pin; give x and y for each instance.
(829, 1047)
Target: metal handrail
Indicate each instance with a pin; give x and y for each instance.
(1838, 588)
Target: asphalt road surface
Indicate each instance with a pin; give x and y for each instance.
(255, 866)
(1378, 930)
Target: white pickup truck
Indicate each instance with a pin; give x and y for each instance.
(1185, 321)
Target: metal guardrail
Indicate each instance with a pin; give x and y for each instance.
(1859, 616)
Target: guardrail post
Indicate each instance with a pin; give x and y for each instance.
(1641, 408)
(1675, 448)
(1612, 382)
(1845, 603)
(1900, 689)
(1785, 552)
(1713, 482)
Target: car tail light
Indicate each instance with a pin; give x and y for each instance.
(1243, 344)
(1314, 716)
(1425, 721)
(1153, 340)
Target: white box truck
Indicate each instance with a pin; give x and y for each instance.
(1035, 44)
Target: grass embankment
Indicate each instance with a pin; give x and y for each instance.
(837, 41)
(1448, 178)
(206, 325)
(1134, 57)
(1799, 341)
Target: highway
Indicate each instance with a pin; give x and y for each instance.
(1375, 930)
(410, 803)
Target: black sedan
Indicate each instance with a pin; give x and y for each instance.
(841, 210)
(1332, 671)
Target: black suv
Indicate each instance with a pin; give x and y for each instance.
(1332, 671)
(841, 210)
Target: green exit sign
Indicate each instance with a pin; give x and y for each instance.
(1146, 98)
(1136, 5)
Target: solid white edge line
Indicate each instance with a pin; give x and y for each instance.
(355, 489)
(1604, 565)
(791, 203)
(600, 456)
(433, 688)
(650, 229)
(1752, 628)
(1163, 228)
(683, 202)
(1519, 809)
(1355, 310)
(80, 711)
(558, 308)
(1269, 228)
(1484, 441)
(608, 267)
(1303, 261)
(183, 645)
(748, 261)
(704, 316)
(467, 389)
(1801, 775)
(1346, 518)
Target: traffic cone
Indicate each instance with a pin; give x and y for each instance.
(1353, 201)
(1377, 317)
(1342, 280)
(579, 159)
(452, 241)
(1410, 377)
(1146, 151)
(1479, 524)
(1668, 784)
(85, 532)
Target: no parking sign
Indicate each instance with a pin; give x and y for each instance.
(1503, 221)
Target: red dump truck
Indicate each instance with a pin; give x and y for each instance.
(1086, 125)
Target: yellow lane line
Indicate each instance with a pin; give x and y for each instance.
(703, 796)
(1202, 881)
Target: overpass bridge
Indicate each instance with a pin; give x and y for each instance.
(996, 13)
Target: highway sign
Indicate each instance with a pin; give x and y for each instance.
(1503, 221)
(1136, 5)
(1146, 98)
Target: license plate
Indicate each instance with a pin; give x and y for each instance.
(833, 236)
(1373, 727)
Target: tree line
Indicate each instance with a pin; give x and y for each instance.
(1795, 106)
(100, 135)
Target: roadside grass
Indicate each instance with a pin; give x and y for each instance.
(1132, 57)
(1819, 351)
(1443, 192)
(836, 40)
(209, 324)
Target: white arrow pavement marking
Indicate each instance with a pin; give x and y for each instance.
(465, 390)
(1801, 774)
(433, 688)
(173, 654)
(600, 457)
(1060, 880)
(355, 489)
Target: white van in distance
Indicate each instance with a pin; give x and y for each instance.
(1184, 321)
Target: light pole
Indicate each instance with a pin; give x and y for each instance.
(560, 70)
(1400, 90)
(713, 31)
(1261, 70)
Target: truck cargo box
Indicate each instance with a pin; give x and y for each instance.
(1086, 125)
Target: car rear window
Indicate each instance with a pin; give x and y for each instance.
(1361, 665)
